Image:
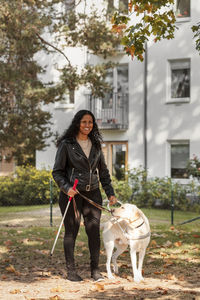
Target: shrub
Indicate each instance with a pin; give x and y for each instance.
(155, 192)
(27, 186)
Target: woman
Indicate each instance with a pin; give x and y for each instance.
(79, 156)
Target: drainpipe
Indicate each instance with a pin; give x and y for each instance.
(145, 107)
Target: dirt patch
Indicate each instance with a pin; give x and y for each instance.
(49, 287)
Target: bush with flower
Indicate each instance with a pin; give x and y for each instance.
(193, 167)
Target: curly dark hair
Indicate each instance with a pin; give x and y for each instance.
(73, 129)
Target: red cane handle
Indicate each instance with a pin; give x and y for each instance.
(74, 187)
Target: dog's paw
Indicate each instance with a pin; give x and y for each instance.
(138, 279)
(111, 276)
(115, 269)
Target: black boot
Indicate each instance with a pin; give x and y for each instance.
(71, 274)
(96, 275)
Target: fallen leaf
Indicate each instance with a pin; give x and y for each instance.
(98, 287)
(167, 244)
(57, 290)
(196, 235)
(172, 228)
(163, 254)
(8, 243)
(178, 244)
(56, 297)
(159, 272)
(16, 291)
(171, 277)
(153, 243)
(11, 269)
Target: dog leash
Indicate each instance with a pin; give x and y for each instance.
(77, 215)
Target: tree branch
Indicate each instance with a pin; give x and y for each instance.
(54, 47)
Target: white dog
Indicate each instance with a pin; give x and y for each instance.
(127, 226)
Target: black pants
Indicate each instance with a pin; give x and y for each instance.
(91, 216)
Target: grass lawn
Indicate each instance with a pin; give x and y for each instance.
(173, 253)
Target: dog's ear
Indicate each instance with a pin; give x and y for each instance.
(135, 214)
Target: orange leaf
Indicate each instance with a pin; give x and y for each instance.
(163, 254)
(16, 291)
(56, 297)
(158, 272)
(118, 28)
(11, 269)
(178, 244)
(171, 277)
(98, 287)
(57, 289)
(130, 6)
(153, 243)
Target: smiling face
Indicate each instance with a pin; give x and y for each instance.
(86, 126)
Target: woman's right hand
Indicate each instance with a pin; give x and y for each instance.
(71, 192)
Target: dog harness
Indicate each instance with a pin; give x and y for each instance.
(127, 236)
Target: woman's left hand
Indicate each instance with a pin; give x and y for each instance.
(112, 200)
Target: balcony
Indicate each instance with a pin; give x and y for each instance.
(111, 112)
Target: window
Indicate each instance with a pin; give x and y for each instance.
(123, 6)
(116, 156)
(179, 81)
(69, 5)
(183, 8)
(179, 159)
(67, 102)
(118, 80)
(113, 5)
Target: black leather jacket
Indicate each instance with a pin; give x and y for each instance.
(71, 163)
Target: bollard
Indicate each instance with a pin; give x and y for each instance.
(51, 202)
(172, 205)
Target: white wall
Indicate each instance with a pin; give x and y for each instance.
(165, 121)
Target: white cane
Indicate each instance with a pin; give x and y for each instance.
(74, 187)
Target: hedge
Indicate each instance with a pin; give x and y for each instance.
(27, 186)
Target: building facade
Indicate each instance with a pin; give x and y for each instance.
(152, 116)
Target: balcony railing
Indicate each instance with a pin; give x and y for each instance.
(111, 112)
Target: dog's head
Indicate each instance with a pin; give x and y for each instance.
(127, 211)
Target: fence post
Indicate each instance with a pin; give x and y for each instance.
(172, 205)
(51, 202)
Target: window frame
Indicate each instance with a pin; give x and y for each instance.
(181, 19)
(107, 150)
(180, 63)
(168, 158)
